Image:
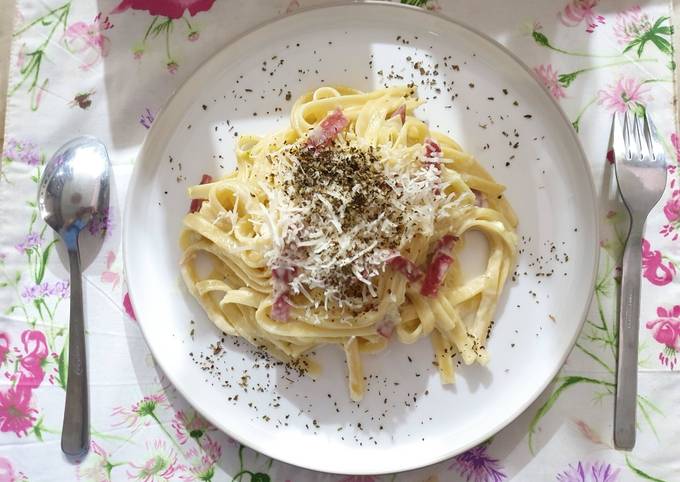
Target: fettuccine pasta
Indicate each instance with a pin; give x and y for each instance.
(345, 229)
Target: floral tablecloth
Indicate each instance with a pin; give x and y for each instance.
(105, 68)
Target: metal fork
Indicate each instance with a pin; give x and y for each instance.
(641, 175)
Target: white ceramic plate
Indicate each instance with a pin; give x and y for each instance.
(498, 112)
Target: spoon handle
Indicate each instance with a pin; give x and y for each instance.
(76, 431)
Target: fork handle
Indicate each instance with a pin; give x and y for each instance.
(629, 326)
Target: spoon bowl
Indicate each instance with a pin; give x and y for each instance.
(74, 186)
(73, 189)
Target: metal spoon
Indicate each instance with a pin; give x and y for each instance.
(74, 187)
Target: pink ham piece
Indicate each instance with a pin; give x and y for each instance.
(197, 203)
(328, 129)
(285, 275)
(281, 308)
(439, 266)
(385, 328)
(400, 112)
(406, 267)
(432, 150)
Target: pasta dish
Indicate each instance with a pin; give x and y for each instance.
(345, 228)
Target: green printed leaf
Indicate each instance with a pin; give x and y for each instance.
(640, 473)
(43, 262)
(62, 368)
(658, 23)
(38, 428)
(416, 3)
(632, 44)
(566, 79)
(659, 35)
(566, 382)
(260, 477)
(662, 44)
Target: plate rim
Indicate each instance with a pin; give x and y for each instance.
(261, 446)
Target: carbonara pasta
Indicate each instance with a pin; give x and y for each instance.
(345, 229)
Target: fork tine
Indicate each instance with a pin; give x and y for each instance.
(649, 136)
(616, 139)
(656, 149)
(637, 134)
(626, 136)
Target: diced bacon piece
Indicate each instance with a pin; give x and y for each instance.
(432, 150)
(406, 267)
(400, 112)
(281, 308)
(281, 280)
(285, 275)
(439, 266)
(435, 274)
(196, 204)
(445, 244)
(385, 328)
(328, 129)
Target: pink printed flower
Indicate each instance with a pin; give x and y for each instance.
(675, 141)
(589, 472)
(202, 461)
(666, 330)
(21, 57)
(159, 467)
(166, 8)
(588, 432)
(172, 67)
(96, 467)
(31, 241)
(132, 417)
(4, 347)
(292, 6)
(187, 427)
(31, 373)
(147, 118)
(578, 11)
(631, 24)
(672, 207)
(88, 40)
(548, 76)
(60, 289)
(627, 94)
(101, 223)
(16, 414)
(7, 471)
(476, 465)
(653, 268)
(127, 306)
(110, 275)
(21, 151)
